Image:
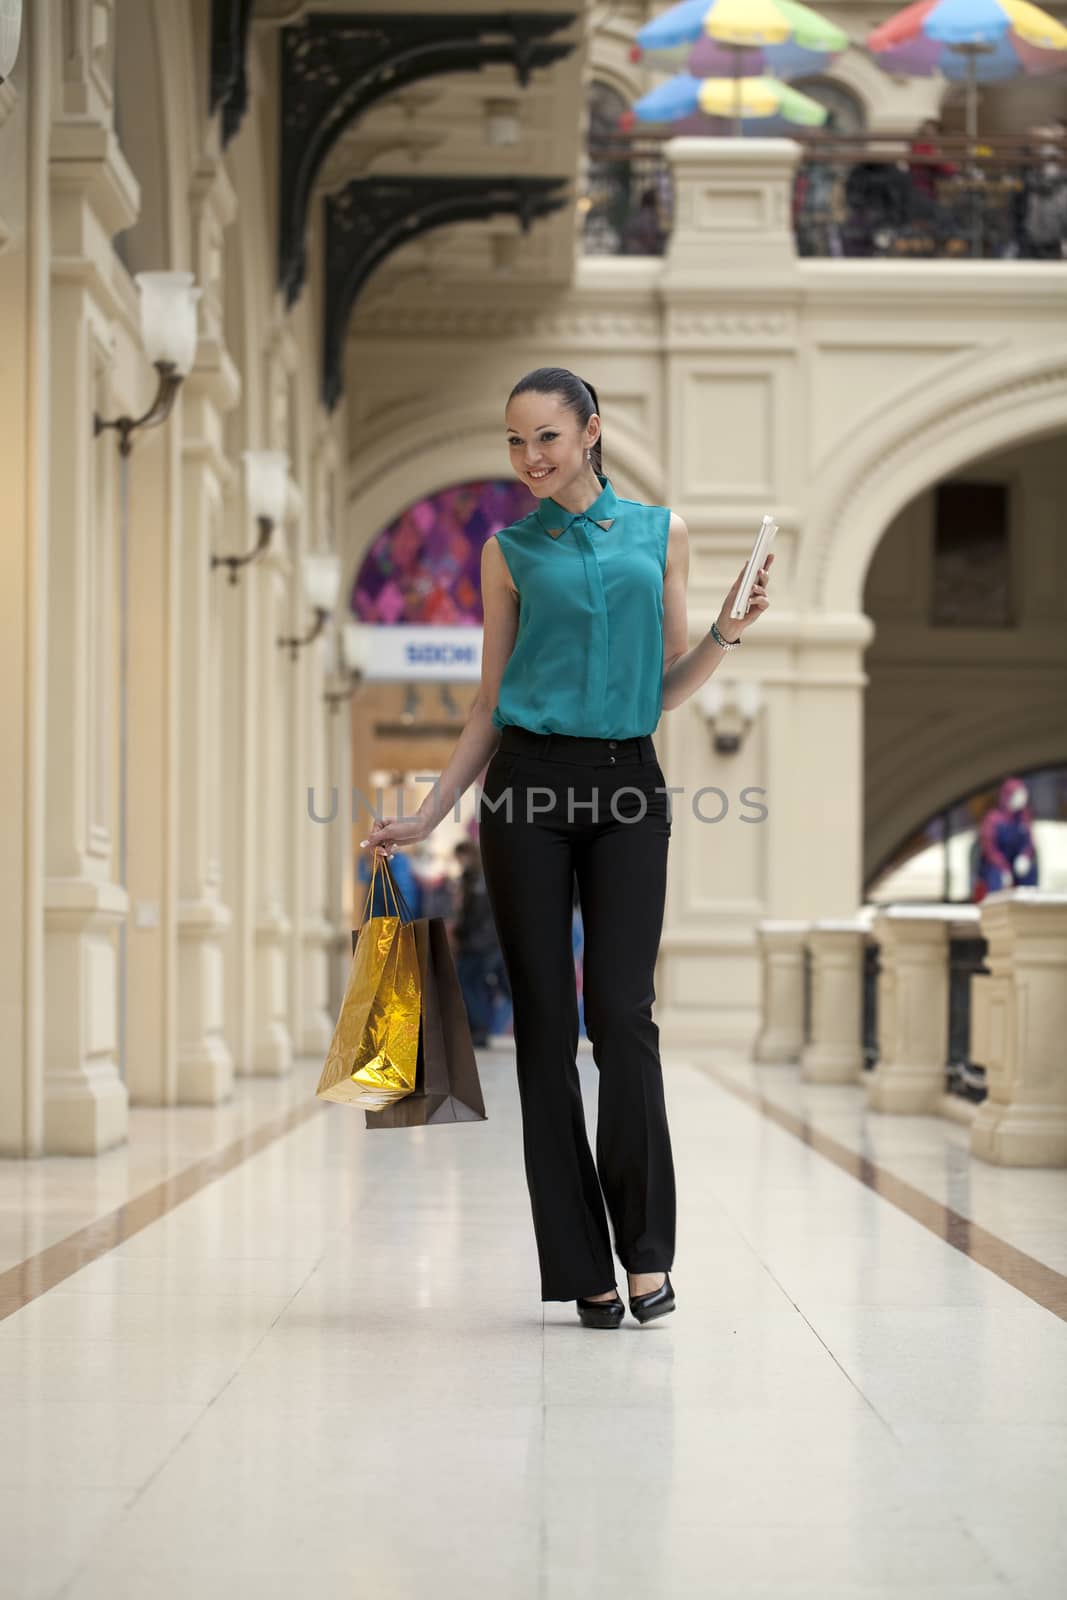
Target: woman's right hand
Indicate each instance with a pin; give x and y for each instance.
(389, 834)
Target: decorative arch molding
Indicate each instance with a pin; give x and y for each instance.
(371, 217)
(1002, 398)
(415, 461)
(887, 102)
(610, 62)
(943, 771)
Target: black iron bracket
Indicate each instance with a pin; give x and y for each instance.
(230, 21)
(335, 66)
(371, 217)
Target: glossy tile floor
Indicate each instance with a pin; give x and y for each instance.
(327, 1372)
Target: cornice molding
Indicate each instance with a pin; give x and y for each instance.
(372, 217)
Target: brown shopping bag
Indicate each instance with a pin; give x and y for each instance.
(447, 1088)
(373, 1056)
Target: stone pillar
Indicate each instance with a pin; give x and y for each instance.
(93, 196)
(912, 1008)
(835, 1051)
(241, 818)
(340, 862)
(25, 112)
(730, 340)
(781, 946)
(272, 1042)
(733, 207)
(205, 1063)
(1019, 1029)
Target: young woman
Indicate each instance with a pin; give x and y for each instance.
(585, 643)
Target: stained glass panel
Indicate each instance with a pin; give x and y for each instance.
(426, 565)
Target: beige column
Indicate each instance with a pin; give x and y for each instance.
(781, 947)
(25, 112)
(730, 287)
(340, 860)
(93, 197)
(239, 801)
(912, 1007)
(834, 1053)
(205, 1063)
(1019, 1030)
(317, 931)
(272, 1045)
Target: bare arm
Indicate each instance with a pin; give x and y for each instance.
(685, 670)
(480, 737)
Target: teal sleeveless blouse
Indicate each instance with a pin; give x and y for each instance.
(588, 656)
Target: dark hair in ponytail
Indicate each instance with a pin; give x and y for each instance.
(575, 392)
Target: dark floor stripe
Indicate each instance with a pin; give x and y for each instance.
(1032, 1278)
(35, 1276)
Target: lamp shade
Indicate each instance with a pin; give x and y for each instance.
(10, 31)
(322, 581)
(267, 483)
(711, 698)
(749, 698)
(168, 317)
(355, 646)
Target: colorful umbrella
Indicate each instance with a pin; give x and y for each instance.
(739, 39)
(976, 41)
(702, 105)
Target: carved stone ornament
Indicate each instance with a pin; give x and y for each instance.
(229, 80)
(10, 34)
(335, 66)
(372, 217)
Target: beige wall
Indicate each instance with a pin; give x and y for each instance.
(735, 379)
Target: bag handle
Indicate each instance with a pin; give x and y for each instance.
(389, 886)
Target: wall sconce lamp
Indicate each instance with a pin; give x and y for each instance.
(168, 333)
(266, 491)
(503, 253)
(322, 582)
(354, 651)
(502, 121)
(729, 709)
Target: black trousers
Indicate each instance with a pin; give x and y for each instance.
(554, 808)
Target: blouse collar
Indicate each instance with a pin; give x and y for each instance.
(555, 518)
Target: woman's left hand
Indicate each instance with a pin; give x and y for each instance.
(731, 627)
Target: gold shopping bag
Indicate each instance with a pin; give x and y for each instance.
(373, 1055)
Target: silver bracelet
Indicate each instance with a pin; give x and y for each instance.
(725, 644)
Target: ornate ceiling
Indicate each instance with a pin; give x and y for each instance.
(413, 129)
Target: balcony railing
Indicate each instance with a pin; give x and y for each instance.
(859, 196)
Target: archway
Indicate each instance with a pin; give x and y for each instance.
(969, 655)
(985, 401)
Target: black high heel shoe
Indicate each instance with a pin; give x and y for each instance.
(601, 1313)
(645, 1307)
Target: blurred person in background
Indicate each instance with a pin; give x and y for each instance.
(477, 946)
(1045, 201)
(405, 879)
(1006, 855)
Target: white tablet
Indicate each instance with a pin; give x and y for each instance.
(760, 551)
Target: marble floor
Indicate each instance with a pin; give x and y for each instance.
(323, 1369)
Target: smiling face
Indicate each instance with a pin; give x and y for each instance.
(546, 444)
